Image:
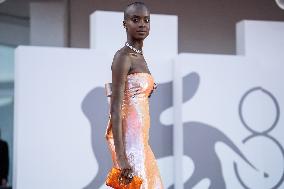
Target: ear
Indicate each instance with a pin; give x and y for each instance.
(124, 24)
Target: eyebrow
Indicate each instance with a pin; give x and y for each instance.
(136, 16)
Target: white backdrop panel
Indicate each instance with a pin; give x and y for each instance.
(267, 47)
(224, 81)
(238, 101)
(52, 135)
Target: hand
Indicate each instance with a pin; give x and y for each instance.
(127, 173)
(154, 88)
(150, 93)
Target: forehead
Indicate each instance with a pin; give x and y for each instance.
(137, 11)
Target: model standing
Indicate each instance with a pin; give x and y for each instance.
(132, 85)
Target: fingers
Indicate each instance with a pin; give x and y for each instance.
(154, 88)
(127, 175)
(150, 94)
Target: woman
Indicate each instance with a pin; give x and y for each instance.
(132, 84)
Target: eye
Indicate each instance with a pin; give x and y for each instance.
(147, 20)
(135, 20)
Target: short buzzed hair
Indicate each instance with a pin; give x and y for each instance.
(135, 4)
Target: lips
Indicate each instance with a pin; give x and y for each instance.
(141, 32)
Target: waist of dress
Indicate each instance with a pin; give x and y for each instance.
(135, 95)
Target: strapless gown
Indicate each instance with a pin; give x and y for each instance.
(136, 124)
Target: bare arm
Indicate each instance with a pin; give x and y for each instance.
(120, 67)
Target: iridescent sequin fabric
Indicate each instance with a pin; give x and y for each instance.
(136, 124)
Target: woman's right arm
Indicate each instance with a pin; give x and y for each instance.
(120, 67)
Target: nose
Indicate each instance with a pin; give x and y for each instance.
(142, 23)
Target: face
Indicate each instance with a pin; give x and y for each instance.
(137, 23)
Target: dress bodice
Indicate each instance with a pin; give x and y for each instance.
(139, 84)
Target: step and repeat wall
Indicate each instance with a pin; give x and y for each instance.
(230, 109)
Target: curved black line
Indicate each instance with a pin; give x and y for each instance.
(274, 101)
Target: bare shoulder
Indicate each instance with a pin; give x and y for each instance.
(121, 60)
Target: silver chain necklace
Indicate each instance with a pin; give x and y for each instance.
(133, 48)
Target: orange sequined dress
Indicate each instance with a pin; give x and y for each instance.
(136, 124)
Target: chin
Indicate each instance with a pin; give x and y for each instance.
(141, 37)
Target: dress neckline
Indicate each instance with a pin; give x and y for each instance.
(139, 73)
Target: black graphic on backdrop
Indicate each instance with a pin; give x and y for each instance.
(256, 134)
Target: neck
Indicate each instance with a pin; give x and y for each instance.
(137, 44)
